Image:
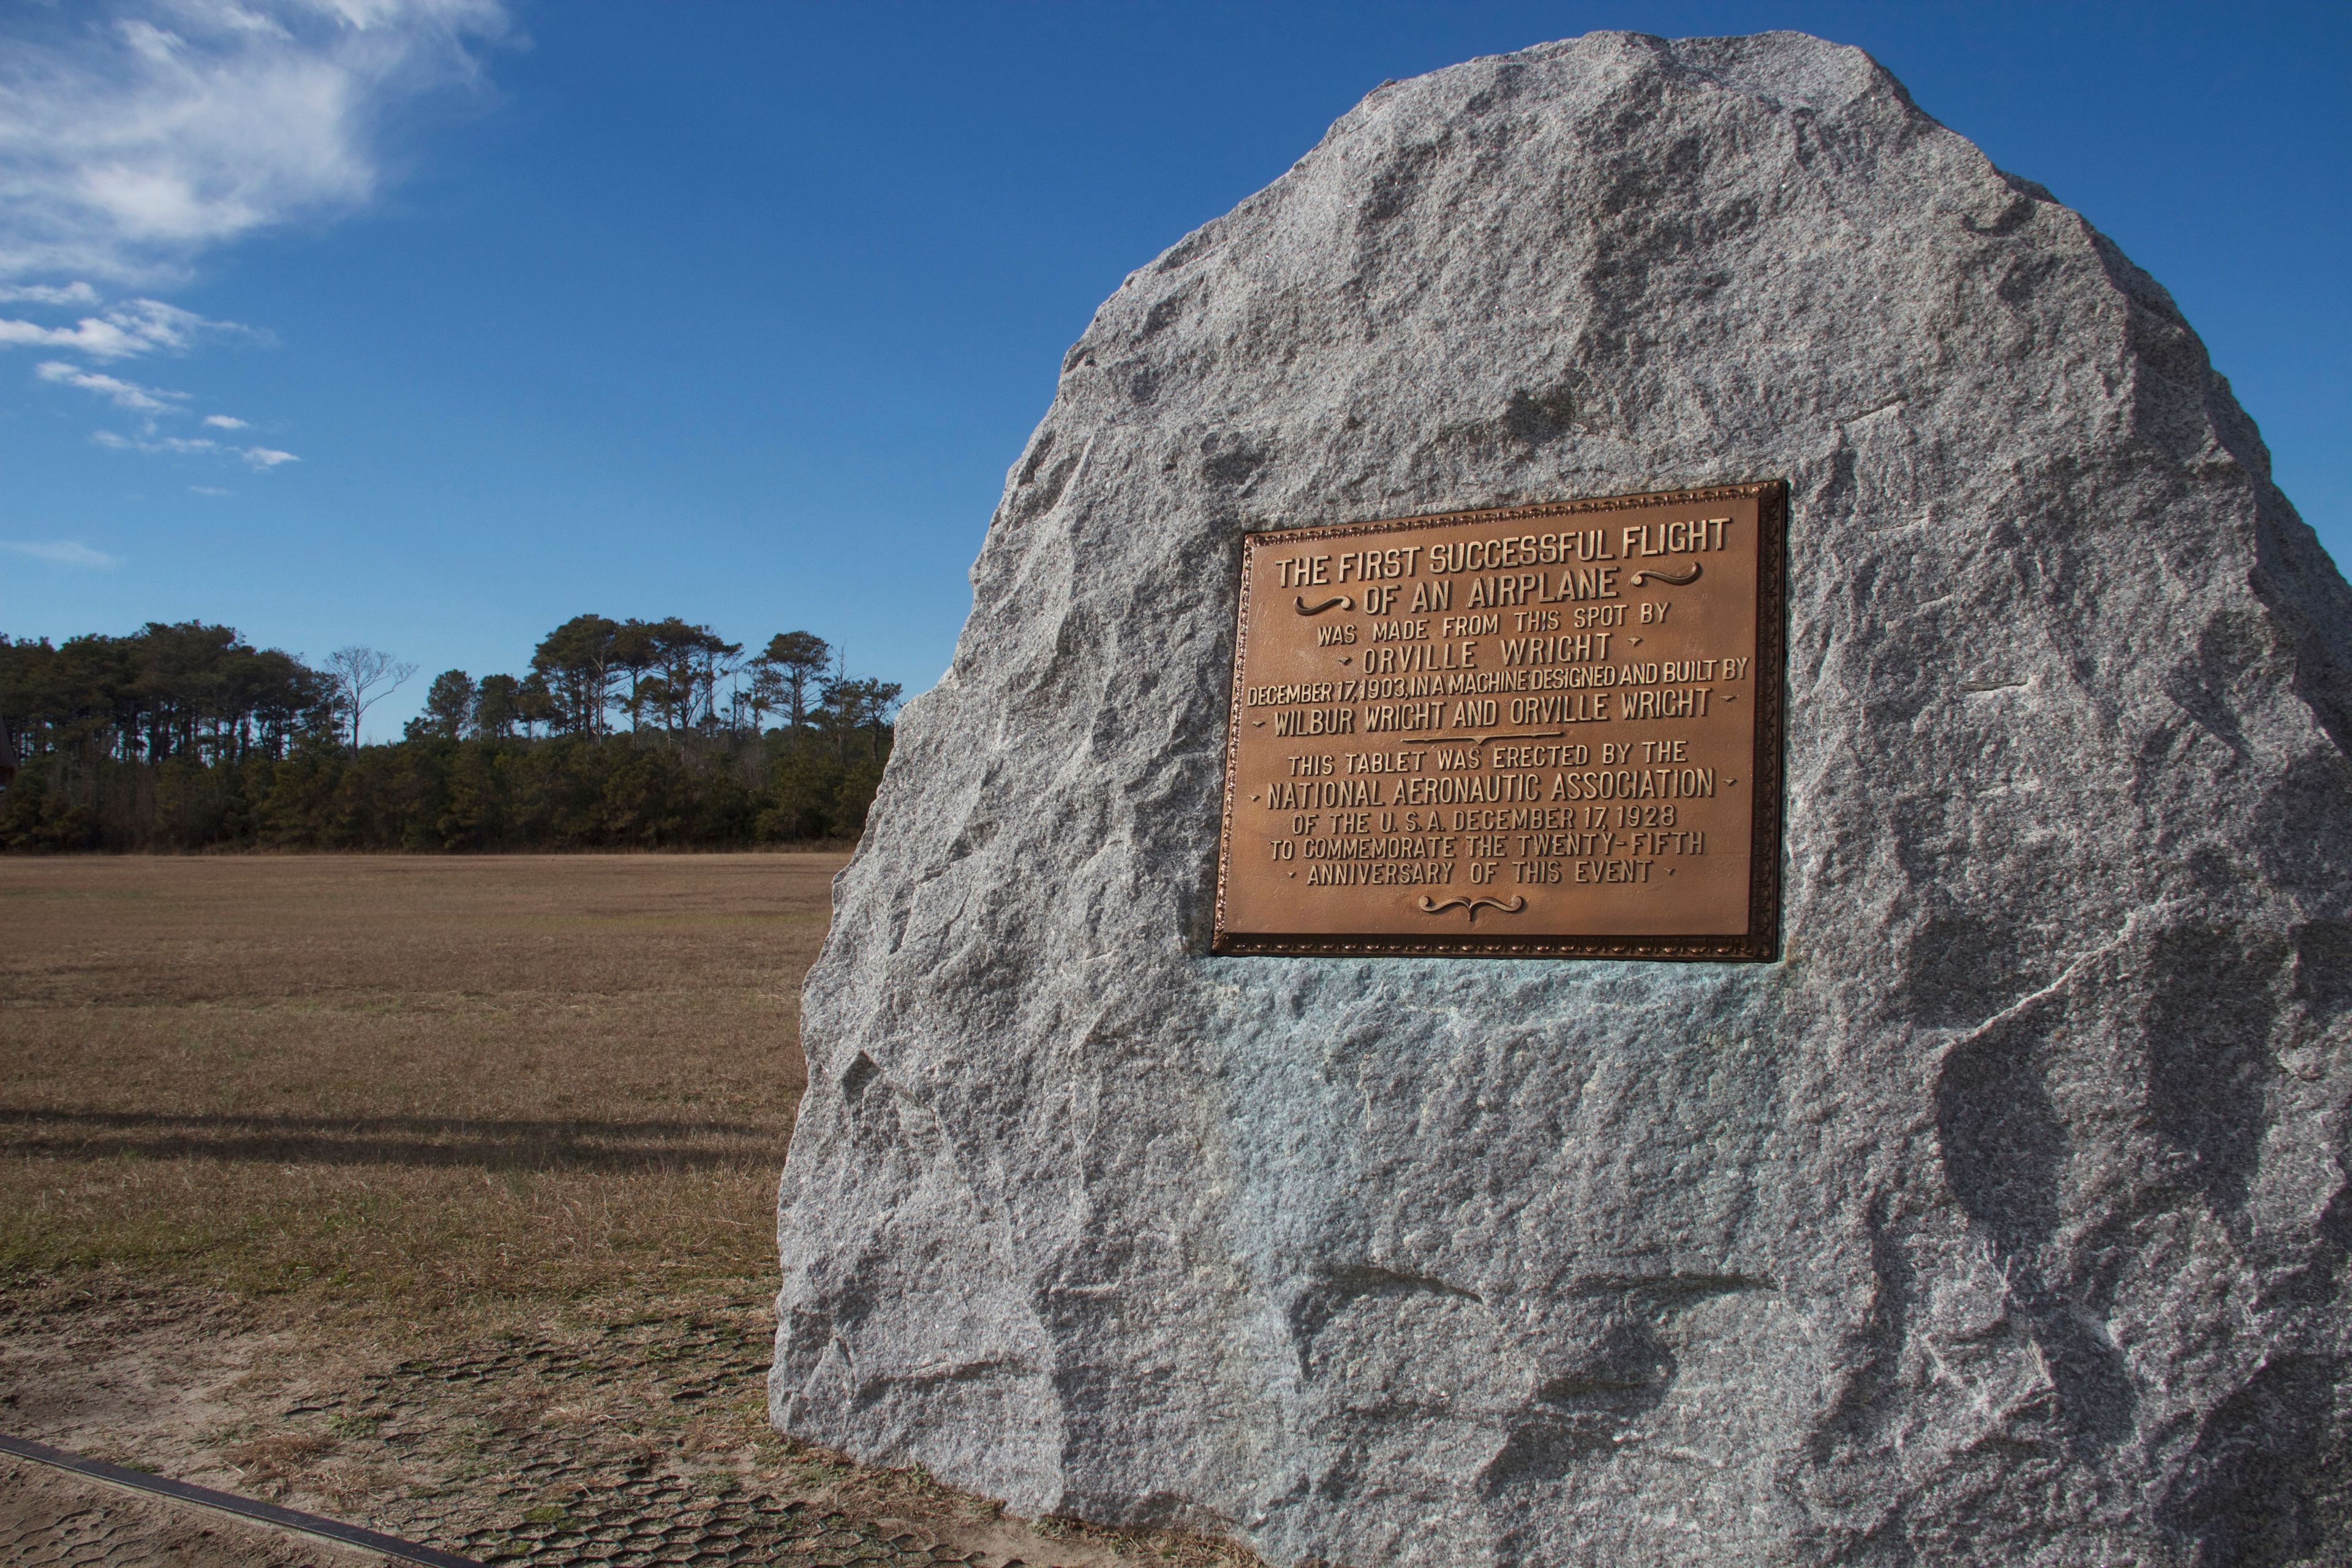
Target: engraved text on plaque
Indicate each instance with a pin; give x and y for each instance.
(1542, 730)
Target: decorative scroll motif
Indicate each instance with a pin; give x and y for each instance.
(1515, 735)
(1684, 581)
(1340, 602)
(1431, 907)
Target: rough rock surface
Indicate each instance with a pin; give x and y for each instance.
(2003, 1222)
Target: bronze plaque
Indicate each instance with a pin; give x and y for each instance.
(1547, 731)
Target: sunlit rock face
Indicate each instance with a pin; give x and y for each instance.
(2003, 1221)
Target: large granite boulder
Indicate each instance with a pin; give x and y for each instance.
(2003, 1221)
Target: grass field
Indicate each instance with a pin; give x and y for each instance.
(442, 1083)
(437, 1193)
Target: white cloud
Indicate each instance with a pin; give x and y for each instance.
(133, 326)
(47, 294)
(208, 490)
(60, 552)
(153, 446)
(135, 134)
(124, 394)
(260, 459)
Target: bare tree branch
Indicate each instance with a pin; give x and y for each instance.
(357, 672)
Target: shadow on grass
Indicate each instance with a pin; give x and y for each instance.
(419, 1141)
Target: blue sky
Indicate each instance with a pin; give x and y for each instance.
(427, 324)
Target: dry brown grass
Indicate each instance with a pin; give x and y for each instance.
(438, 1082)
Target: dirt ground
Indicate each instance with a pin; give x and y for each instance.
(435, 1195)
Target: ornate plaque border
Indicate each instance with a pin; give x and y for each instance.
(1761, 943)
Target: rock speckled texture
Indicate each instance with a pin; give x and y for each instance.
(2003, 1222)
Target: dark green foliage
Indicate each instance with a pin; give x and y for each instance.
(787, 668)
(183, 690)
(184, 738)
(569, 792)
(497, 707)
(577, 664)
(449, 707)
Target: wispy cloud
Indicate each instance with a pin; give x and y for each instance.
(155, 401)
(133, 326)
(77, 293)
(261, 459)
(153, 446)
(123, 394)
(208, 490)
(60, 552)
(135, 134)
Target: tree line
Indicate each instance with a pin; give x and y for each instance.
(619, 734)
